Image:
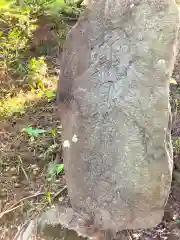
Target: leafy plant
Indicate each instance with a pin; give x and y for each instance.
(19, 110)
(16, 29)
(177, 145)
(33, 131)
(18, 21)
(53, 131)
(60, 7)
(59, 168)
(54, 170)
(37, 73)
(50, 94)
(50, 152)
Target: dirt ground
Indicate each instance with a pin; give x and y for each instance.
(27, 183)
(24, 181)
(24, 166)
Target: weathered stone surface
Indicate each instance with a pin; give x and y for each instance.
(59, 223)
(114, 104)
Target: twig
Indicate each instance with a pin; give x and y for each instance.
(25, 174)
(13, 207)
(129, 235)
(70, 18)
(21, 165)
(9, 210)
(59, 193)
(19, 231)
(10, 144)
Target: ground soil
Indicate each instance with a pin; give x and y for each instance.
(23, 169)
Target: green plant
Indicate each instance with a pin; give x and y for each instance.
(53, 131)
(48, 197)
(19, 110)
(50, 153)
(37, 73)
(18, 19)
(16, 29)
(62, 8)
(177, 145)
(33, 131)
(59, 168)
(50, 94)
(54, 170)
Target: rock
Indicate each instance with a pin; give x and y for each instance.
(113, 99)
(59, 222)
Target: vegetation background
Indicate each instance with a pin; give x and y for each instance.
(32, 33)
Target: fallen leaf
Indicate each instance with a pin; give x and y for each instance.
(33, 131)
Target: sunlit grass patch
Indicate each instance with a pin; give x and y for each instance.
(22, 100)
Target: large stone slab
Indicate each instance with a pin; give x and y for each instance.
(113, 96)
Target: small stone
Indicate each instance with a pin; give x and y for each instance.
(13, 169)
(17, 185)
(66, 144)
(60, 199)
(35, 172)
(7, 168)
(57, 180)
(33, 166)
(74, 139)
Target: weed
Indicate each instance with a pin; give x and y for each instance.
(48, 197)
(34, 132)
(17, 27)
(18, 22)
(53, 131)
(37, 73)
(50, 152)
(28, 73)
(177, 146)
(50, 94)
(54, 170)
(59, 168)
(19, 110)
(61, 8)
